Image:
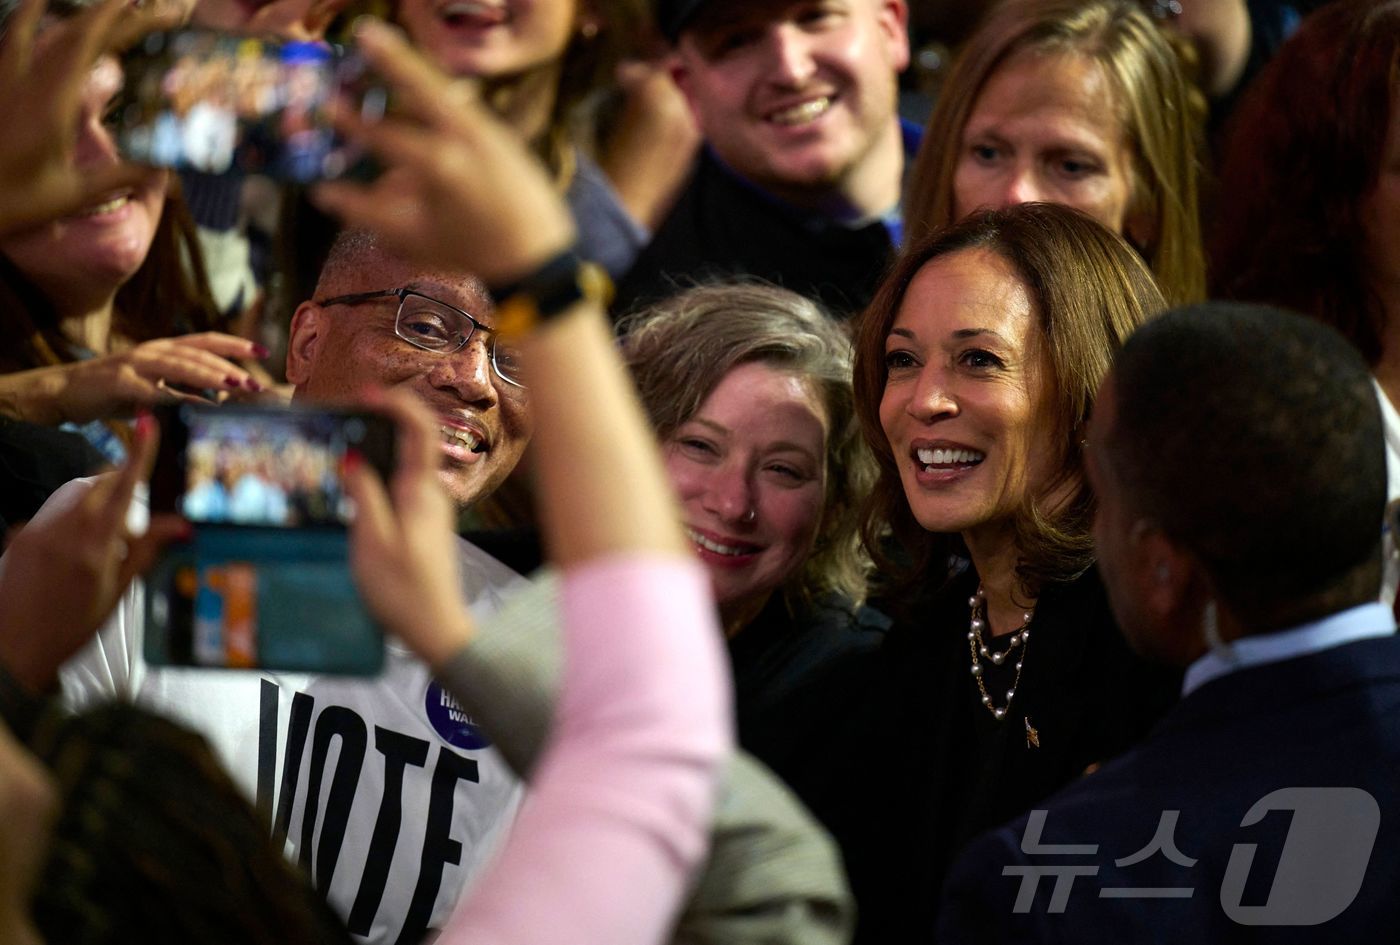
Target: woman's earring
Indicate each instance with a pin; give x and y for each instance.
(588, 29)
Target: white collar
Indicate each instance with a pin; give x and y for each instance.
(1357, 623)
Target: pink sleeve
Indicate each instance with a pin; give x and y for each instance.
(619, 811)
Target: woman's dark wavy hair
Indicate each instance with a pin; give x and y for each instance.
(1304, 147)
(1090, 289)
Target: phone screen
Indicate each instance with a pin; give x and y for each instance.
(266, 467)
(283, 471)
(215, 102)
(265, 580)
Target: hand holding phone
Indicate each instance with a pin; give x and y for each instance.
(42, 74)
(62, 575)
(462, 189)
(403, 549)
(265, 580)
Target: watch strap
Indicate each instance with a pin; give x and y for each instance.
(552, 289)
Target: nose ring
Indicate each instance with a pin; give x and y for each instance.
(749, 516)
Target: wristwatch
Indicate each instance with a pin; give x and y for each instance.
(550, 290)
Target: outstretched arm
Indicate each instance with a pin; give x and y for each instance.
(462, 193)
(116, 385)
(621, 802)
(773, 875)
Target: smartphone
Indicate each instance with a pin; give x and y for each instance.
(264, 582)
(215, 102)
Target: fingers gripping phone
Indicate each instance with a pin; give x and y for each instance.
(264, 582)
(215, 102)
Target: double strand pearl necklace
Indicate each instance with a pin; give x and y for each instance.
(1021, 637)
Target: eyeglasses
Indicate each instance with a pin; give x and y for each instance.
(435, 326)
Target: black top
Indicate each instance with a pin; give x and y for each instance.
(722, 226)
(794, 674)
(796, 669)
(929, 766)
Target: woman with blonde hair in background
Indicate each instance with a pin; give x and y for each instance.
(748, 387)
(1079, 102)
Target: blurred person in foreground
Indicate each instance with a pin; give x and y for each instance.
(1322, 124)
(104, 307)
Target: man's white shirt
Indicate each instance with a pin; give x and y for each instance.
(386, 792)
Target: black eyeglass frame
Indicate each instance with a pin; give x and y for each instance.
(402, 294)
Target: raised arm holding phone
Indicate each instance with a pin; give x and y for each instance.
(628, 779)
(641, 643)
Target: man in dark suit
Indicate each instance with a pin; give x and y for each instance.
(1237, 456)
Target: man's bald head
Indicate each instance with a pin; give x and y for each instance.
(340, 348)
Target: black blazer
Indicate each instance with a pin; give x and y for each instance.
(1318, 723)
(925, 767)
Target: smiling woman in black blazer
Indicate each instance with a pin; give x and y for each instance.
(1004, 676)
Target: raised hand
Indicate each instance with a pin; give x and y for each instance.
(62, 574)
(151, 373)
(461, 187)
(42, 76)
(403, 551)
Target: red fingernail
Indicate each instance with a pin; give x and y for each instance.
(232, 381)
(252, 385)
(354, 459)
(261, 351)
(145, 423)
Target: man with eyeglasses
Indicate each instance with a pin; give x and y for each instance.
(377, 321)
(386, 790)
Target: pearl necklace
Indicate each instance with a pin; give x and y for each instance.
(978, 603)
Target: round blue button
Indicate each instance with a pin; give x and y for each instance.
(451, 722)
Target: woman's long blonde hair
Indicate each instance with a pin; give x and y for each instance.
(1162, 115)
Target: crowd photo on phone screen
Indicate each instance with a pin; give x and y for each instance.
(247, 472)
(623, 472)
